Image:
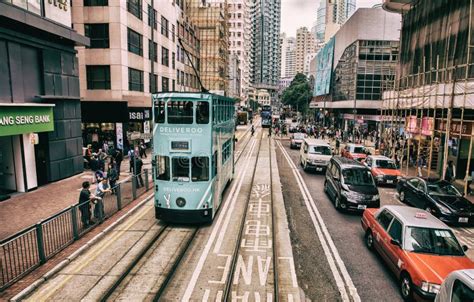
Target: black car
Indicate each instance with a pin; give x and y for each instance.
(438, 197)
(350, 185)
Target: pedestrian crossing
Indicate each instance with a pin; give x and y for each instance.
(465, 236)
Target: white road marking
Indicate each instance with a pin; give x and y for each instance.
(332, 255)
(235, 189)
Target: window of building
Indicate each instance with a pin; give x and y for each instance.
(162, 167)
(153, 83)
(135, 79)
(202, 112)
(159, 112)
(180, 169)
(98, 77)
(173, 32)
(165, 59)
(98, 34)
(165, 84)
(164, 26)
(200, 168)
(135, 8)
(173, 60)
(152, 13)
(96, 2)
(152, 51)
(180, 112)
(173, 85)
(135, 42)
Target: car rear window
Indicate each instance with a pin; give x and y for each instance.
(359, 150)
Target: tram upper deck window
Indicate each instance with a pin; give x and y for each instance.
(200, 169)
(163, 167)
(202, 112)
(180, 169)
(180, 112)
(160, 112)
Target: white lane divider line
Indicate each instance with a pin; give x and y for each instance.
(237, 185)
(330, 250)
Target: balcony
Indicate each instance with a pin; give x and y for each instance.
(397, 6)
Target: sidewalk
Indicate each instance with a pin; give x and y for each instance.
(25, 209)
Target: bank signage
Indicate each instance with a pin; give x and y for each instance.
(16, 120)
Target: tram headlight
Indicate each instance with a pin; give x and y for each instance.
(181, 202)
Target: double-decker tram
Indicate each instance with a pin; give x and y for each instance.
(266, 115)
(193, 148)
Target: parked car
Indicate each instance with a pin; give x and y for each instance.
(315, 154)
(438, 197)
(457, 287)
(384, 170)
(350, 185)
(296, 139)
(419, 248)
(353, 151)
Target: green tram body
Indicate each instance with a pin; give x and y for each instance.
(193, 156)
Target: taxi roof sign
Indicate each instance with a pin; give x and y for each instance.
(421, 215)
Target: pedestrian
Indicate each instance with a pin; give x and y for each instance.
(85, 198)
(99, 175)
(138, 173)
(142, 150)
(100, 192)
(270, 131)
(252, 130)
(450, 174)
(419, 165)
(338, 145)
(131, 156)
(112, 175)
(118, 161)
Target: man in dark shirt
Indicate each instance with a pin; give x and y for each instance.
(138, 172)
(84, 204)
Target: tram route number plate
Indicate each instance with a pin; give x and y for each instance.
(180, 145)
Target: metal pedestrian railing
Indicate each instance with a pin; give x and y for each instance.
(26, 250)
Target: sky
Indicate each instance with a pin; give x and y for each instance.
(298, 13)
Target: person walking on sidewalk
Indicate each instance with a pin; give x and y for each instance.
(118, 161)
(419, 166)
(138, 173)
(101, 190)
(131, 155)
(85, 198)
(142, 150)
(112, 175)
(450, 174)
(338, 145)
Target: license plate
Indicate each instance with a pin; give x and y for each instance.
(319, 169)
(464, 219)
(390, 181)
(362, 207)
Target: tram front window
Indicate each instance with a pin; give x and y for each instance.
(202, 112)
(180, 112)
(180, 169)
(163, 167)
(159, 112)
(200, 169)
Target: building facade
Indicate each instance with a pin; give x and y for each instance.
(432, 104)
(305, 45)
(40, 112)
(335, 12)
(356, 66)
(288, 56)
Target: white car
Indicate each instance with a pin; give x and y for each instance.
(315, 154)
(457, 287)
(296, 140)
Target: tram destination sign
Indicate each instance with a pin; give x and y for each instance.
(180, 145)
(25, 119)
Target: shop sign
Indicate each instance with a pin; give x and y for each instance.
(456, 127)
(413, 125)
(139, 114)
(137, 135)
(25, 119)
(59, 11)
(34, 138)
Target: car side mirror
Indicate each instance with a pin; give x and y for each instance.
(465, 248)
(395, 242)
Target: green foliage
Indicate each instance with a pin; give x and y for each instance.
(299, 93)
(253, 104)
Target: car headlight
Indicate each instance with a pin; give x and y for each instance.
(430, 287)
(379, 177)
(399, 177)
(350, 195)
(444, 210)
(375, 197)
(180, 202)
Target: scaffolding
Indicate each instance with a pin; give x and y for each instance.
(429, 115)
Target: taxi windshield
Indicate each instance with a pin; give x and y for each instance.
(359, 150)
(385, 164)
(357, 177)
(432, 241)
(443, 188)
(323, 150)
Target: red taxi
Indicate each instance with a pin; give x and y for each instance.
(353, 151)
(383, 169)
(419, 248)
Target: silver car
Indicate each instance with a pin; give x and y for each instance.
(457, 287)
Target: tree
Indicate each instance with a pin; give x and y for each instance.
(299, 93)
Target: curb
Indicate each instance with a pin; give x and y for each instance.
(48, 275)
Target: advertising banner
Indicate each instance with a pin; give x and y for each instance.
(324, 61)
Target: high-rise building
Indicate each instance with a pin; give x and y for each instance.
(305, 45)
(211, 18)
(337, 12)
(265, 53)
(288, 52)
(321, 21)
(239, 45)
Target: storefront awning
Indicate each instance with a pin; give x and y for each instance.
(20, 118)
(104, 112)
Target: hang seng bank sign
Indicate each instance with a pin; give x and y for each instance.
(25, 119)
